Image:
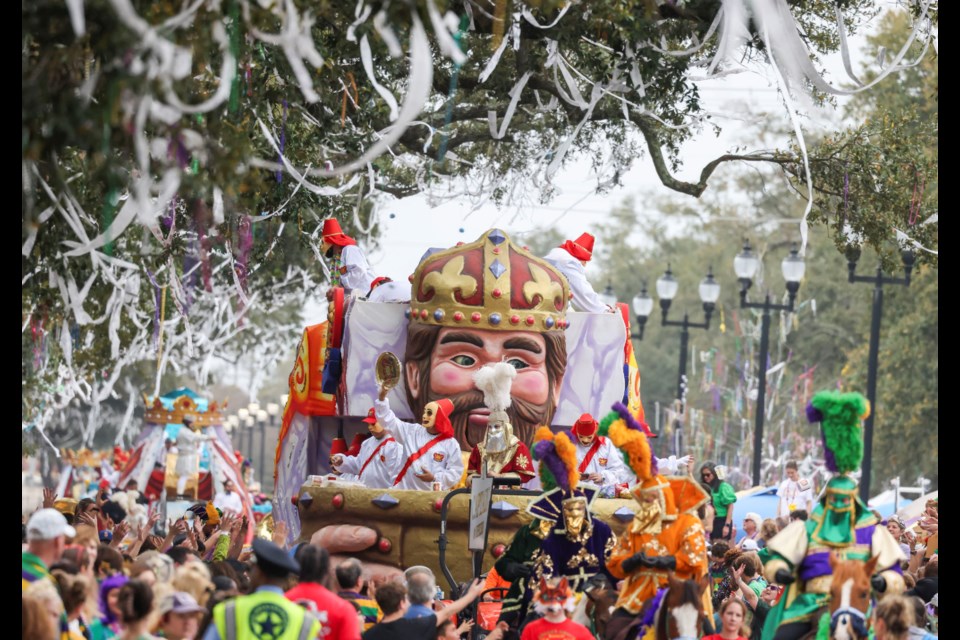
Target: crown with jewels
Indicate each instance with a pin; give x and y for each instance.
(490, 283)
(183, 407)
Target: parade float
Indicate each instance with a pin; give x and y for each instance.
(492, 292)
(183, 451)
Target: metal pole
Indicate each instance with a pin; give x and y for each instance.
(263, 458)
(761, 392)
(678, 423)
(872, 367)
(684, 337)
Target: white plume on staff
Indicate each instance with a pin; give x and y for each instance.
(495, 381)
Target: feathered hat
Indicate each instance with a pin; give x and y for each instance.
(559, 475)
(627, 434)
(839, 415)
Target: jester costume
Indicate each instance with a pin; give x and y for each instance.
(799, 556)
(579, 546)
(516, 565)
(661, 538)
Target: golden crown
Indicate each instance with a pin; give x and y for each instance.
(490, 283)
(184, 407)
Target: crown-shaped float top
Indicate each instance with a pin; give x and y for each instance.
(490, 283)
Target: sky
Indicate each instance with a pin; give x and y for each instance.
(411, 225)
(736, 102)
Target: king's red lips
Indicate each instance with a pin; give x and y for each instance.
(479, 417)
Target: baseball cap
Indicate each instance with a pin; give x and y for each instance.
(748, 544)
(48, 524)
(180, 602)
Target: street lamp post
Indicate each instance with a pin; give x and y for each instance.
(273, 410)
(667, 286)
(745, 265)
(262, 417)
(878, 280)
(248, 427)
(242, 414)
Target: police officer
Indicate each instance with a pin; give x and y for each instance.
(265, 614)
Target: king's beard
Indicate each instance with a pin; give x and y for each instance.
(525, 416)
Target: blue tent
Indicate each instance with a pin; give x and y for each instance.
(764, 502)
(759, 500)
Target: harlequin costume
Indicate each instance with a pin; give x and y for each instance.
(644, 553)
(579, 546)
(516, 565)
(799, 556)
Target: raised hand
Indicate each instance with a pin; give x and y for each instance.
(87, 518)
(198, 530)
(119, 533)
(144, 532)
(49, 497)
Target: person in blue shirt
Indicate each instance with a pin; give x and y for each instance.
(421, 591)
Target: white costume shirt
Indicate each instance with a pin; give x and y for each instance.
(391, 292)
(584, 297)
(228, 502)
(442, 459)
(665, 466)
(799, 494)
(358, 274)
(188, 451)
(607, 461)
(379, 472)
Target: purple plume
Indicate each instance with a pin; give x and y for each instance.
(829, 460)
(633, 423)
(546, 452)
(813, 414)
(650, 617)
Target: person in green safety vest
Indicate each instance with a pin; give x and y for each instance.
(265, 614)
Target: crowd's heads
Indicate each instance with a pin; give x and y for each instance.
(893, 617)
(134, 601)
(391, 597)
(47, 533)
(421, 588)
(349, 573)
(719, 549)
(152, 567)
(35, 620)
(180, 615)
(76, 591)
(769, 528)
(194, 578)
(314, 563)
(109, 562)
(272, 563)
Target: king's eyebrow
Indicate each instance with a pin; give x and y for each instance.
(462, 336)
(525, 344)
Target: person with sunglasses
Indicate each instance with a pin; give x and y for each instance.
(723, 497)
